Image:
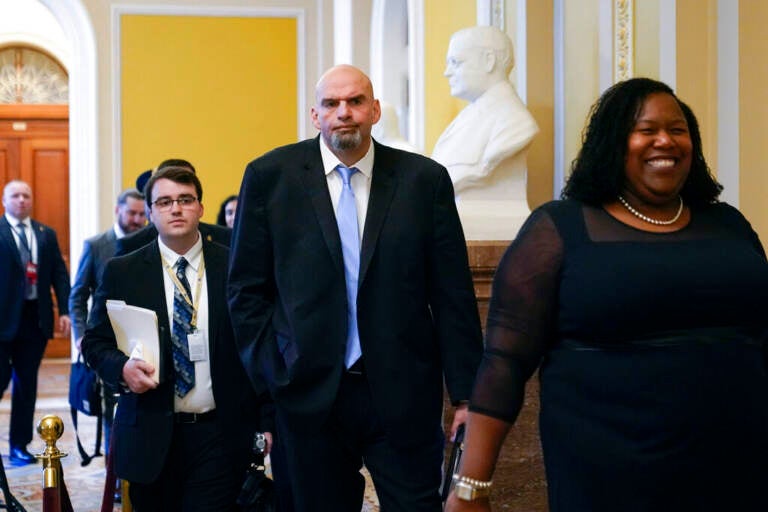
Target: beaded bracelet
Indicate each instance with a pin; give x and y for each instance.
(479, 484)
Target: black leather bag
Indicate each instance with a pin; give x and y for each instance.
(85, 397)
(453, 463)
(84, 389)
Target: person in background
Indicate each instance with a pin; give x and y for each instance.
(31, 265)
(226, 216)
(351, 295)
(148, 233)
(130, 216)
(184, 443)
(641, 299)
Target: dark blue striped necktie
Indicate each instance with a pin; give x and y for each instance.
(182, 325)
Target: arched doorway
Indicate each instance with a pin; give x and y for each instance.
(34, 142)
(63, 28)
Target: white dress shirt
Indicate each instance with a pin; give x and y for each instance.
(360, 181)
(200, 398)
(31, 238)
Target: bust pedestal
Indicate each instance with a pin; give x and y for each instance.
(496, 207)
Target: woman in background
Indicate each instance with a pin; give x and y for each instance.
(227, 212)
(642, 300)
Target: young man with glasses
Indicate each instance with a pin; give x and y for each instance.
(148, 233)
(183, 444)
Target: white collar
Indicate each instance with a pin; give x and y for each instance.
(14, 222)
(330, 161)
(119, 233)
(193, 255)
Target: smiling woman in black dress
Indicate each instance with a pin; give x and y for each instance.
(644, 303)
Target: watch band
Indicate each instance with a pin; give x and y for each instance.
(470, 489)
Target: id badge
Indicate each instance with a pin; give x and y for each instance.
(198, 347)
(31, 273)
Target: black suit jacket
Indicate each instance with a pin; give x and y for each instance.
(417, 313)
(210, 232)
(144, 422)
(97, 251)
(51, 271)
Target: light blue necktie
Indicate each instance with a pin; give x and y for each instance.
(182, 325)
(346, 218)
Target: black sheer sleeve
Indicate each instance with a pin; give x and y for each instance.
(521, 317)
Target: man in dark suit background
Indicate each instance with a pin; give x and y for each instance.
(31, 264)
(130, 216)
(148, 233)
(354, 319)
(184, 443)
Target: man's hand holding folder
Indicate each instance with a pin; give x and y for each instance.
(137, 337)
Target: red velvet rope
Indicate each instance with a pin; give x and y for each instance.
(51, 500)
(56, 499)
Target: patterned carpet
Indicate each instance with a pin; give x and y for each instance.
(85, 484)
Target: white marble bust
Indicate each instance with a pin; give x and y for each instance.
(484, 146)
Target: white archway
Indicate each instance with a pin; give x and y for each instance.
(84, 195)
(405, 19)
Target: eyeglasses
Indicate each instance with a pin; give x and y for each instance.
(164, 204)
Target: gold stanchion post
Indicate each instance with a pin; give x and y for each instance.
(50, 430)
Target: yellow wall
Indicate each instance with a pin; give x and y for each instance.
(697, 67)
(213, 90)
(753, 114)
(441, 19)
(541, 101)
(582, 85)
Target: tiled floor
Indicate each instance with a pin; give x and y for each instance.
(85, 484)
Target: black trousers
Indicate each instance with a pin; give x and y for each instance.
(324, 465)
(200, 474)
(20, 361)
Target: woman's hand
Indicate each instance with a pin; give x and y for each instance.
(454, 504)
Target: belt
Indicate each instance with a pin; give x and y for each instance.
(357, 369)
(194, 417)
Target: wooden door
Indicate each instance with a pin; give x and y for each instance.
(34, 147)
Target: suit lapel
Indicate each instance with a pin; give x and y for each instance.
(383, 189)
(215, 264)
(8, 238)
(153, 282)
(316, 185)
(41, 241)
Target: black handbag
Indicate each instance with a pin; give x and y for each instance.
(85, 397)
(453, 463)
(258, 491)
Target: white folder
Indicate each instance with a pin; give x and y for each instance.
(136, 333)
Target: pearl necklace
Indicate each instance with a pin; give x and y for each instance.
(648, 219)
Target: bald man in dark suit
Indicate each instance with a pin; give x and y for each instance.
(31, 265)
(350, 292)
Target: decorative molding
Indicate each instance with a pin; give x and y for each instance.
(416, 91)
(119, 10)
(491, 13)
(33, 111)
(728, 113)
(521, 50)
(558, 22)
(624, 45)
(497, 14)
(668, 42)
(84, 196)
